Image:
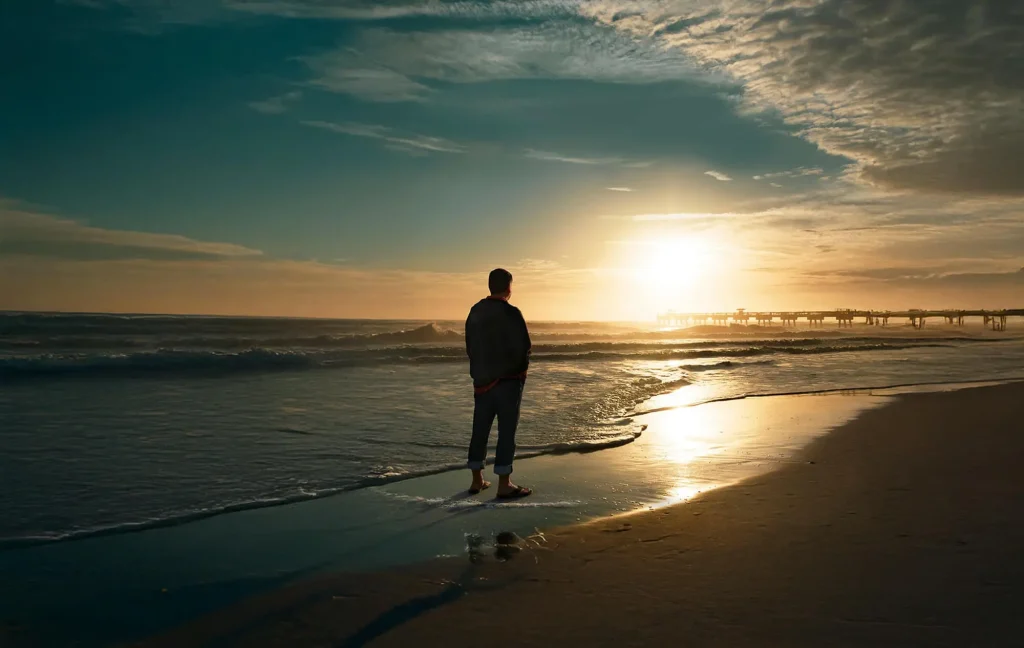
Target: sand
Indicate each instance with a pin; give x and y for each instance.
(904, 527)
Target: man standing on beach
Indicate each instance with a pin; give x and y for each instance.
(498, 345)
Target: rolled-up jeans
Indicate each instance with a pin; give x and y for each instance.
(502, 400)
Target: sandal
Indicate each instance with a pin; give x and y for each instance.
(520, 491)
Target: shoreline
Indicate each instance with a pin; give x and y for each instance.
(953, 384)
(586, 447)
(894, 529)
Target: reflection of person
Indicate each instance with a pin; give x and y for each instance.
(498, 345)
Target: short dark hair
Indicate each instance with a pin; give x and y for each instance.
(499, 281)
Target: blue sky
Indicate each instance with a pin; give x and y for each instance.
(362, 143)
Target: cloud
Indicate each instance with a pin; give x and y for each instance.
(371, 10)
(929, 275)
(276, 105)
(683, 216)
(622, 189)
(538, 265)
(793, 173)
(389, 65)
(721, 177)
(372, 84)
(983, 278)
(921, 96)
(549, 156)
(27, 231)
(406, 143)
(151, 14)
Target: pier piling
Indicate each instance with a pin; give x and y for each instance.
(996, 320)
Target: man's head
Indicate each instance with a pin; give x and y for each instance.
(500, 283)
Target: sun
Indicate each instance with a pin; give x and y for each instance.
(668, 269)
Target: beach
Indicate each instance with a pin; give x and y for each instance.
(900, 528)
(163, 471)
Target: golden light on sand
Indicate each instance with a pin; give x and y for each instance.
(695, 433)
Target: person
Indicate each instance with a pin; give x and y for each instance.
(498, 345)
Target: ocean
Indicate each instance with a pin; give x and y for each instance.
(116, 423)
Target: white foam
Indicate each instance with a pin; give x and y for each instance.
(462, 502)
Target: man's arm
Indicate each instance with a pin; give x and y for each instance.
(524, 337)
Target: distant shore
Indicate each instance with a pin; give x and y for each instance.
(901, 528)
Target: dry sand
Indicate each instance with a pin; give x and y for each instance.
(902, 528)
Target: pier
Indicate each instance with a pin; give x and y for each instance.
(844, 318)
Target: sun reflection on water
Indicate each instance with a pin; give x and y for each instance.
(698, 448)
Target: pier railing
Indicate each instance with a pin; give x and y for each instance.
(996, 319)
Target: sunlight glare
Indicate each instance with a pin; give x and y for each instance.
(670, 268)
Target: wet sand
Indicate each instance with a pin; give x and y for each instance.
(902, 528)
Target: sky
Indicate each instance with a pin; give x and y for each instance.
(375, 159)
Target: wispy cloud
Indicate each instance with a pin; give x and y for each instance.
(410, 143)
(276, 105)
(622, 189)
(683, 216)
(372, 10)
(372, 84)
(922, 275)
(721, 177)
(390, 65)
(30, 231)
(538, 265)
(792, 173)
(549, 156)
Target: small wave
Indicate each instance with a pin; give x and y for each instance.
(387, 476)
(170, 520)
(212, 363)
(579, 447)
(294, 430)
(427, 333)
(725, 364)
(729, 352)
(527, 451)
(464, 503)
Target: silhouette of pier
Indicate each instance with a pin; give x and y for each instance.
(995, 319)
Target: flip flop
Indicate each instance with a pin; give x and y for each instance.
(520, 491)
(476, 491)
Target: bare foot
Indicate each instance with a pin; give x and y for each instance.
(478, 486)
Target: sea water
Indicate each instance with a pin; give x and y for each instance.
(115, 423)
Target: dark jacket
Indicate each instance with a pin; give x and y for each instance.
(497, 342)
